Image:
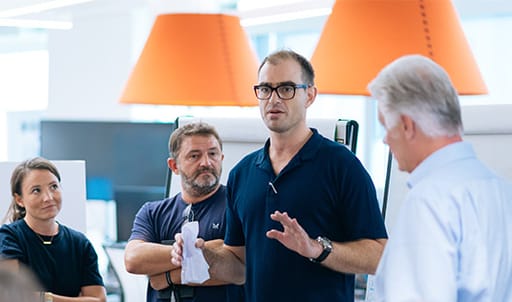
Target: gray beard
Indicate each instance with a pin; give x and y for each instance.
(198, 190)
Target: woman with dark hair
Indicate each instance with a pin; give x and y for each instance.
(63, 259)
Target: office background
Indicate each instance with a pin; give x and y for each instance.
(77, 74)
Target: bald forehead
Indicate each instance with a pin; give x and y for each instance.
(280, 70)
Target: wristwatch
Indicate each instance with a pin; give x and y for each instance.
(48, 297)
(327, 246)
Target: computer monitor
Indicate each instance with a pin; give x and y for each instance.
(124, 161)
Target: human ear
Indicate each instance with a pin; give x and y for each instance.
(408, 126)
(173, 165)
(311, 93)
(19, 200)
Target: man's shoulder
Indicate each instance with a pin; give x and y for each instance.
(219, 196)
(168, 201)
(250, 159)
(157, 208)
(335, 155)
(221, 191)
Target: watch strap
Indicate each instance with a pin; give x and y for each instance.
(327, 248)
(168, 279)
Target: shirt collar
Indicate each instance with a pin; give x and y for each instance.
(440, 158)
(306, 152)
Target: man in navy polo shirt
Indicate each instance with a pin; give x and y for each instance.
(196, 155)
(302, 213)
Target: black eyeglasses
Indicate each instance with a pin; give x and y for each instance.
(284, 91)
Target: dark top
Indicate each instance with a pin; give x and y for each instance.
(63, 267)
(328, 191)
(159, 221)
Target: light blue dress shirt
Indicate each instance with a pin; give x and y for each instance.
(452, 240)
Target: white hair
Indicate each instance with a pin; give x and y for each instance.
(416, 86)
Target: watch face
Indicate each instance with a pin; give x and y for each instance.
(326, 243)
(48, 297)
(327, 248)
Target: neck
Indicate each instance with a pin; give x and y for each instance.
(289, 142)
(283, 147)
(191, 199)
(43, 227)
(432, 144)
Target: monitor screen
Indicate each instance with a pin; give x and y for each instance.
(126, 162)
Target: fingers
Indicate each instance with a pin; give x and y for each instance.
(277, 216)
(274, 234)
(200, 243)
(177, 249)
(281, 217)
(178, 238)
(291, 228)
(284, 219)
(175, 257)
(176, 252)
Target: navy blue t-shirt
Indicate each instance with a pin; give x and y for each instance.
(63, 267)
(328, 191)
(159, 221)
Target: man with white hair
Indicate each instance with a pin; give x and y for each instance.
(452, 240)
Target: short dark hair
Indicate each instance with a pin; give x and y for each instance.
(192, 129)
(308, 73)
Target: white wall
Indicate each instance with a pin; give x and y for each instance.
(488, 128)
(89, 66)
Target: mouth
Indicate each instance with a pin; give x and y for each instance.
(274, 111)
(49, 207)
(205, 178)
(205, 173)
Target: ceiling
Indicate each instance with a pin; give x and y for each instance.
(64, 10)
(10, 8)
(76, 7)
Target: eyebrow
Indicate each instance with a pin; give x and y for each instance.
(277, 84)
(42, 185)
(200, 151)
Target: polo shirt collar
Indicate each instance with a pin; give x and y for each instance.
(308, 151)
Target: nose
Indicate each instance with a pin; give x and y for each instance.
(47, 195)
(205, 160)
(274, 98)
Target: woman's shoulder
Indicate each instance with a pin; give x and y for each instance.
(71, 233)
(74, 239)
(15, 226)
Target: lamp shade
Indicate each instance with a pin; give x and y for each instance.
(194, 60)
(360, 37)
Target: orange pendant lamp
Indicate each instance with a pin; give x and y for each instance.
(360, 37)
(194, 60)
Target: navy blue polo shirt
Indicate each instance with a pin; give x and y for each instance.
(159, 221)
(328, 191)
